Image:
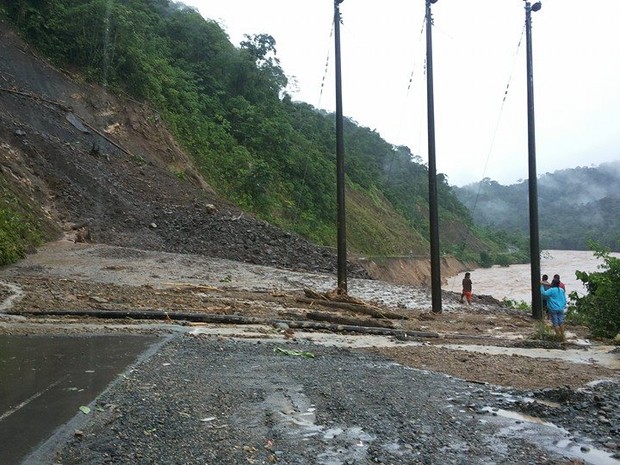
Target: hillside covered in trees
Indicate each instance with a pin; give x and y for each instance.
(229, 109)
(574, 205)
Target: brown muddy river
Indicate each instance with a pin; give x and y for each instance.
(513, 282)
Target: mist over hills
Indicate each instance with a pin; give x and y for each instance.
(574, 206)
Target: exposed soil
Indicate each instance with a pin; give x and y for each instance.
(107, 169)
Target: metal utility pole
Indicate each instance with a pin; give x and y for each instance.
(342, 236)
(432, 168)
(532, 176)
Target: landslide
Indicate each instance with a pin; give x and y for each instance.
(104, 168)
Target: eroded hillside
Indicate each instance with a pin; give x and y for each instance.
(107, 170)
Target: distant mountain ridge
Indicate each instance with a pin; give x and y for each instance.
(574, 206)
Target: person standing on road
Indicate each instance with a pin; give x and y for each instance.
(467, 286)
(556, 302)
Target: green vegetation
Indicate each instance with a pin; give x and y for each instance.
(20, 230)
(517, 305)
(544, 332)
(229, 108)
(600, 308)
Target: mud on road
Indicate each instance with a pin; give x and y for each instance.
(98, 278)
(220, 394)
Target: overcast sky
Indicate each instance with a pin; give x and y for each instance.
(476, 54)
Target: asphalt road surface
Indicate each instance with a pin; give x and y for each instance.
(45, 380)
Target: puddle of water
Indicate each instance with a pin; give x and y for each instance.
(585, 453)
(548, 403)
(516, 416)
(529, 400)
(551, 437)
(295, 415)
(332, 433)
(353, 450)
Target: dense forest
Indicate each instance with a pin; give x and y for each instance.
(229, 108)
(575, 206)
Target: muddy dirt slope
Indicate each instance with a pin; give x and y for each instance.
(107, 170)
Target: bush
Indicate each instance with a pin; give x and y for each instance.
(601, 306)
(503, 260)
(573, 316)
(16, 236)
(517, 304)
(543, 332)
(485, 260)
(22, 225)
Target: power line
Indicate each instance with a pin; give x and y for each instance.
(499, 116)
(331, 35)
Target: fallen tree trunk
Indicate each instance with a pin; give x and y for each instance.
(228, 319)
(375, 312)
(343, 320)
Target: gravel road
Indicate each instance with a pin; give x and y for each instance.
(209, 400)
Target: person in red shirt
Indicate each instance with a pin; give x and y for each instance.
(546, 284)
(562, 285)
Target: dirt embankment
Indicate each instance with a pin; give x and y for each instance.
(412, 271)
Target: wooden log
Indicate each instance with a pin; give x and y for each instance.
(228, 319)
(375, 312)
(343, 320)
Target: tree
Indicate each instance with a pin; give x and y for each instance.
(601, 306)
(262, 48)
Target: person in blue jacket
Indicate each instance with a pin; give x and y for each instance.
(556, 303)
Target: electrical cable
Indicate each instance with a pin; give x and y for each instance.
(498, 120)
(402, 119)
(331, 35)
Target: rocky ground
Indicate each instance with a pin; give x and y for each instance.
(336, 408)
(207, 399)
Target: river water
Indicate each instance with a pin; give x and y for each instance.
(513, 282)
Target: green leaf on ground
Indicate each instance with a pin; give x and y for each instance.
(295, 353)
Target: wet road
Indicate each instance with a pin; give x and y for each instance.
(45, 380)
